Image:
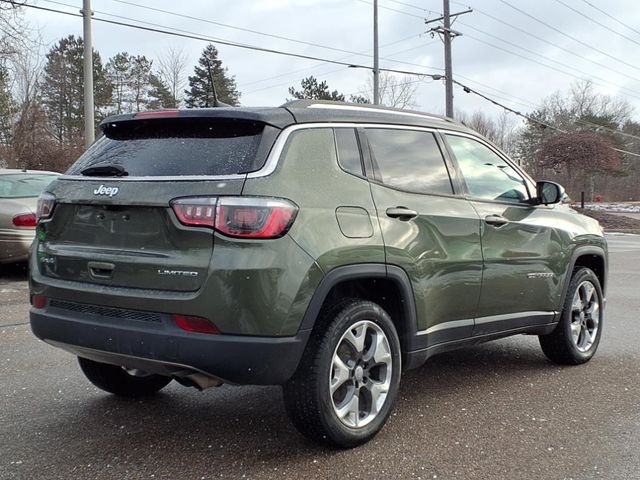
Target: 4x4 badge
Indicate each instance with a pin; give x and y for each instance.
(104, 190)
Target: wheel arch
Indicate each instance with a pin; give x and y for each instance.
(592, 257)
(387, 285)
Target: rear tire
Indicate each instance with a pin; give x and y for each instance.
(344, 388)
(577, 335)
(116, 380)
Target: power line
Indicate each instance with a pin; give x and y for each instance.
(544, 64)
(393, 10)
(319, 59)
(525, 116)
(324, 75)
(221, 41)
(539, 38)
(235, 44)
(189, 17)
(542, 56)
(569, 36)
(597, 22)
(526, 103)
(367, 52)
(412, 6)
(189, 34)
(611, 17)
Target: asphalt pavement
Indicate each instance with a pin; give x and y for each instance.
(496, 411)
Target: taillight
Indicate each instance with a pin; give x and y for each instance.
(46, 204)
(254, 217)
(27, 220)
(195, 324)
(240, 217)
(197, 212)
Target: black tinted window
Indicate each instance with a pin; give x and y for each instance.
(176, 147)
(410, 160)
(348, 150)
(486, 174)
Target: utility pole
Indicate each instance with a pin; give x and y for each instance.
(448, 77)
(447, 35)
(376, 66)
(89, 126)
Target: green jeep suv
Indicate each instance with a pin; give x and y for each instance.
(320, 246)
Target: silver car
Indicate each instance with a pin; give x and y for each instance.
(19, 191)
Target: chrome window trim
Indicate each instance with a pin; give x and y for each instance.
(271, 163)
(272, 160)
(150, 178)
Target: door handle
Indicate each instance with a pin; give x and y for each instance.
(496, 220)
(401, 213)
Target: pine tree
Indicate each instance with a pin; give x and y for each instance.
(131, 78)
(118, 71)
(200, 93)
(140, 85)
(63, 89)
(311, 89)
(160, 95)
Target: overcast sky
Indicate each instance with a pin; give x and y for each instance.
(609, 59)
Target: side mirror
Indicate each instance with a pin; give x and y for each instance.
(549, 192)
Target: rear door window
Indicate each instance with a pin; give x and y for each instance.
(178, 147)
(409, 160)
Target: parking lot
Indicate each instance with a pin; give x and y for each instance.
(496, 411)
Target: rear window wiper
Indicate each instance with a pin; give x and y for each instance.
(105, 171)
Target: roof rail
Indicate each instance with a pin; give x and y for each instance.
(361, 107)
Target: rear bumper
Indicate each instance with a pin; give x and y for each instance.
(158, 346)
(14, 245)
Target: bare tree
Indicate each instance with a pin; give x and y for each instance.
(172, 66)
(15, 32)
(26, 69)
(503, 130)
(397, 92)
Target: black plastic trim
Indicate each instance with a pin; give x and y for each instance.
(366, 271)
(577, 253)
(231, 358)
(417, 358)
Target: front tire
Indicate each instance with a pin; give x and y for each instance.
(344, 388)
(577, 336)
(116, 380)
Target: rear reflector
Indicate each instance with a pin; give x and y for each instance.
(157, 114)
(27, 220)
(38, 301)
(240, 217)
(195, 324)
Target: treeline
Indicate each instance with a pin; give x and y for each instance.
(587, 141)
(42, 121)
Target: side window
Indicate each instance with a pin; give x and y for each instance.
(486, 174)
(409, 160)
(348, 150)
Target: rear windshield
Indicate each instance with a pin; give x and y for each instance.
(23, 185)
(176, 147)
